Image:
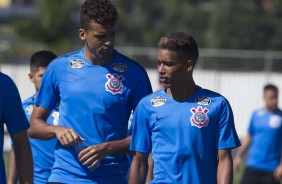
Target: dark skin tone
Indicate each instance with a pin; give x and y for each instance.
(99, 42)
(175, 74)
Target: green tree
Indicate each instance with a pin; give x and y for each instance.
(245, 24)
(143, 22)
(53, 26)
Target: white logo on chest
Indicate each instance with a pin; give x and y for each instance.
(114, 84)
(275, 121)
(76, 63)
(56, 116)
(29, 109)
(199, 117)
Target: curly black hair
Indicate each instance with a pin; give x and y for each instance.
(99, 11)
(180, 42)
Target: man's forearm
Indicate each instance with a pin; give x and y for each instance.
(39, 128)
(24, 162)
(118, 147)
(138, 169)
(150, 174)
(12, 171)
(225, 167)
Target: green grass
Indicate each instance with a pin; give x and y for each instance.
(237, 176)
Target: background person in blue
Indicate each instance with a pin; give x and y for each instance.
(11, 113)
(97, 88)
(190, 130)
(264, 164)
(42, 150)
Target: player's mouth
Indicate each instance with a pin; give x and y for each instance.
(163, 79)
(109, 49)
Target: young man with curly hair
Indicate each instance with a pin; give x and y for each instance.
(189, 130)
(96, 89)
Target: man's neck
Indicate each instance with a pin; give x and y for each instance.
(182, 92)
(271, 109)
(96, 60)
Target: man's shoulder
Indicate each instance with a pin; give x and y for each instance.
(69, 58)
(154, 99)
(128, 62)
(213, 95)
(5, 80)
(8, 87)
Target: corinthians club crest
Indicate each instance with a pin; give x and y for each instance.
(114, 84)
(199, 117)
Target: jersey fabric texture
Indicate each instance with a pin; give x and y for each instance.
(184, 137)
(42, 150)
(266, 132)
(11, 113)
(95, 101)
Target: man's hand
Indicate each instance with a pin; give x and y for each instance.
(91, 155)
(67, 136)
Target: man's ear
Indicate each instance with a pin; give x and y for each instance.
(31, 77)
(82, 34)
(190, 65)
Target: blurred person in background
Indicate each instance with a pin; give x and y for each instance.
(11, 113)
(96, 89)
(264, 137)
(189, 130)
(42, 150)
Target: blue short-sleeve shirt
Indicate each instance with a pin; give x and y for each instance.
(11, 113)
(184, 137)
(95, 101)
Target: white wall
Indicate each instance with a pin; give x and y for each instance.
(242, 89)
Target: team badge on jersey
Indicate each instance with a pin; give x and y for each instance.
(119, 67)
(199, 117)
(56, 116)
(203, 100)
(275, 121)
(114, 84)
(76, 63)
(29, 109)
(158, 101)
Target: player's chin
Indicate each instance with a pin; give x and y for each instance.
(166, 85)
(106, 51)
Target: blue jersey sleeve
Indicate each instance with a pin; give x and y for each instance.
(48, 94)
(141, 131)
(13, 114)
(227, 135)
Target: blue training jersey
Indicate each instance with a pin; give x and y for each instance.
(95, 101)
(11, 113)
(42, 150)
(184, 137)
(266, 132)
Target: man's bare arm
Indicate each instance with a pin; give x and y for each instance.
(23, 155)
(225, 167)
(138, 168)
(40, 129)
(12, 169)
